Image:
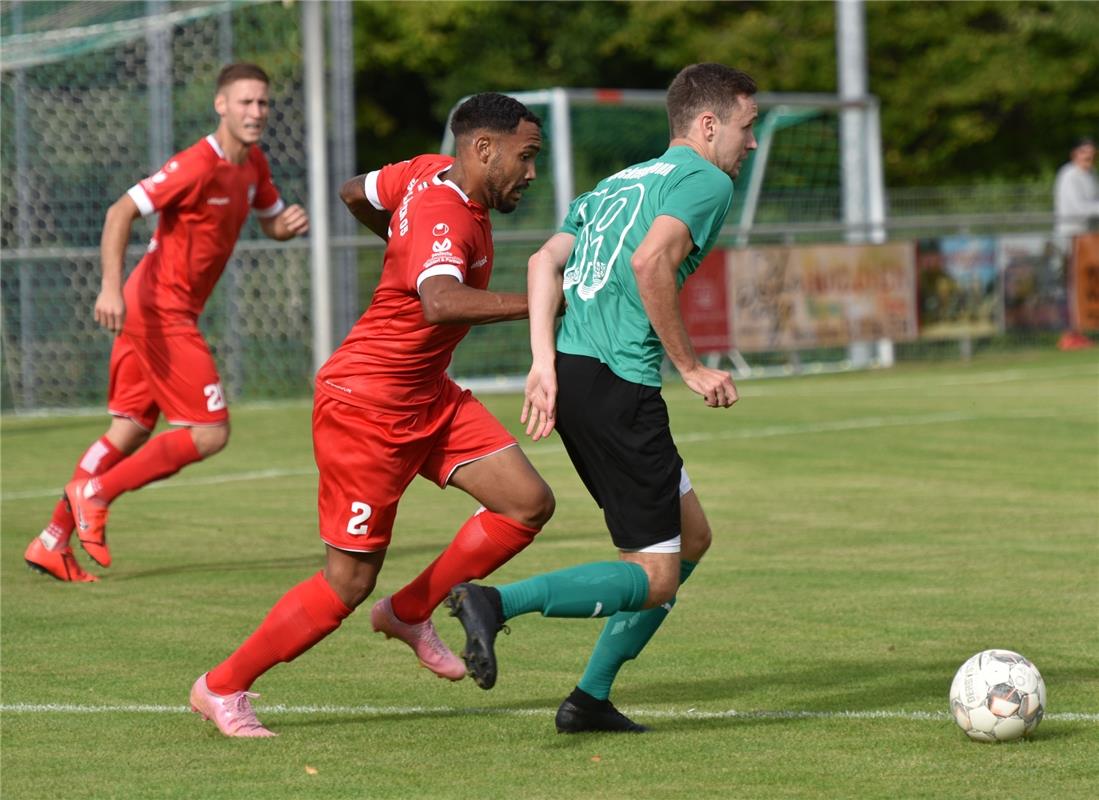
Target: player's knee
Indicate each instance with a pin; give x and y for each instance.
(662, 589)
(210, 440)
(352, 587)
(696, 542)
(538, 507)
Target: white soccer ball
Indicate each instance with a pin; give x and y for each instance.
(997, 696)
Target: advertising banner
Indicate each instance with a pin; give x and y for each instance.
(1084, 283)
(960, 291)
(786, 298)
(705, 306)
(1033, 270)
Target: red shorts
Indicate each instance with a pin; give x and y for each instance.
(367, 458)
(171, 375)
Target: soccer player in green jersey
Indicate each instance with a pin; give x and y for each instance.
(619, 260)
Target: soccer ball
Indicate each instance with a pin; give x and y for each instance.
(997, 696)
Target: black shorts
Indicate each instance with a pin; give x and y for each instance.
(618, 437)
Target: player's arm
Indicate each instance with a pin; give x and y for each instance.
(367, 210)
(544, 297)
(655, 264)
(446, 300)
(110, 309)
(290, 222)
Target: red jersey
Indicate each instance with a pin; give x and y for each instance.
(393, 356)
(203, 200)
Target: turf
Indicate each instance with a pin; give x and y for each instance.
(871, 531)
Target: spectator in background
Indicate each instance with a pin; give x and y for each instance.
(1076, 190)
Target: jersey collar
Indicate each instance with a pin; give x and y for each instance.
(437, 181)
(213, 142)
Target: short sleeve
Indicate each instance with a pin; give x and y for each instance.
(267, 201)
(441, 239)
(171, 185)
(700, 200)
(391, 182)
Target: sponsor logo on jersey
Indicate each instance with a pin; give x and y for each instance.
(440, 229)
(480, 262)
(443, 258)
(441, 247)
(160, 177)
(218, 201)
(172, 166)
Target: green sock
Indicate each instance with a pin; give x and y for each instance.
(589, 590)
(624, 637)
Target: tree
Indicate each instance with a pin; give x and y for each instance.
(970, 91)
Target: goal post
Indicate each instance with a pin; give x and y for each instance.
(790, 190)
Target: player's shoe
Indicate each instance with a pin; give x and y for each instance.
(232, 713)
(582, 713)
(91, 521)
(421, 637)
(44, 554)
(478, 609)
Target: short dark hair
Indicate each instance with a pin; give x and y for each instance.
(705, 87)
(1083, 141)
(240, 71)
(490, 111)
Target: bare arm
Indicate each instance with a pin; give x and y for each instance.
(655, 264)
(110, 309)
(544, 278)
(446, 300)
(353, 194)
(291, 222)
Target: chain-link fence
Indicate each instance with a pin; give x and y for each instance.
(97, 95)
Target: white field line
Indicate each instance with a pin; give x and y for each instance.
(413, 711)
(859, 423)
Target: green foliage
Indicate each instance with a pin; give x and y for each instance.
(969, 90)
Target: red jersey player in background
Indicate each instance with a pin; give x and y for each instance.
(160, 363)
(385, 409)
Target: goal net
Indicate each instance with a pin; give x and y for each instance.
(95, 96)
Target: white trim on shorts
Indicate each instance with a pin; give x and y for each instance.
(121, 415)
(675, 544)
(478, 458)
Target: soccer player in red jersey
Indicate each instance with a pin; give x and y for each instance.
(160, 363)
(385, 409)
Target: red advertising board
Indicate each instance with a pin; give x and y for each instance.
(704, 303)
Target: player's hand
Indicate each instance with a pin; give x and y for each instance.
(295, 220)
(540, 402)
(110, 310)
(715, 385)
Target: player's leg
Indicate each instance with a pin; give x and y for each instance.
(184, 382)
(515, 504)
(626, 633)
(134, 413)
(615, 433)
(299, 620)
(356, 505)
(475, 453)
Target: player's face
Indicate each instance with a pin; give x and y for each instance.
(735, 138)
(243, 107)
(511, 167)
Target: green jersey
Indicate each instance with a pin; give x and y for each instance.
(605, 318)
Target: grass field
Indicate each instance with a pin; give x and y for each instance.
(872, 531)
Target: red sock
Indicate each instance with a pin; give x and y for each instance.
(164, 455)
(97, 459)
(486, 541)
(305, 615)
